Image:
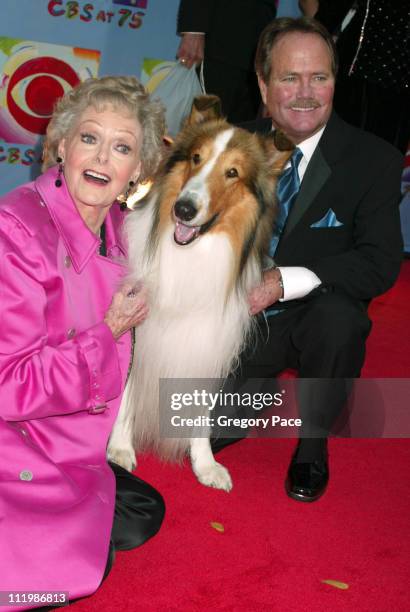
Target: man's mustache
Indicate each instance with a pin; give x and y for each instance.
(304, 103)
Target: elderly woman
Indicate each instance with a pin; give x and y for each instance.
(65, 347)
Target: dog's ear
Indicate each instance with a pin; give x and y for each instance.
(282, 142)
(278, 149)
(205, 108)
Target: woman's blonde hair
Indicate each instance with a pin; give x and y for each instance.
(121, 92)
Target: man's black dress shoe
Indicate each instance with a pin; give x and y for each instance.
(307, 481)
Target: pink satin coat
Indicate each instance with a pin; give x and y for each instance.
(61, 377)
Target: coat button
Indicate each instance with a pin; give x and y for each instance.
(26, 475)
(71, 333)
(67, 261)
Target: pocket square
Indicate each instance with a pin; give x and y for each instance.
(329, 220)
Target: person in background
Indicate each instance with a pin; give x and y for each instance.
(223, 34)
(65, 346)
(373, 83)
(336, 242)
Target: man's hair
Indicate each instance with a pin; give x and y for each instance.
(285, 25)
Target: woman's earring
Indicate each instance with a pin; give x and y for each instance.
(131, 184)
(127, 194)
(58, 181)
(122, 199)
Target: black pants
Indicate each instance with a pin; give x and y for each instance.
(324, 339)
(237, 88)
(139, 512)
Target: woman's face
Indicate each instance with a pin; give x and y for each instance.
(101, 155)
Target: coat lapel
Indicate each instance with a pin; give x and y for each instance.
(317, 173)
(332, 146)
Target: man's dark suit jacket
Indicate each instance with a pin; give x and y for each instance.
(357, 175)
(232, 27)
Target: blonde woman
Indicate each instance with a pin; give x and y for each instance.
(65, 347)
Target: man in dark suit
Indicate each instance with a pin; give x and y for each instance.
(224, 33)
(339, 246)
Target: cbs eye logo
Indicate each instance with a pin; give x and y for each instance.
(34, 88)
(35, 76)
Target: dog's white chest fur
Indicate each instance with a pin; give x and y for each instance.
(198, 315)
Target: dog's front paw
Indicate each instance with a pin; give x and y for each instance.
(214, 475)
(123, 457)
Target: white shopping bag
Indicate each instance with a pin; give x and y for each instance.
(177, 91)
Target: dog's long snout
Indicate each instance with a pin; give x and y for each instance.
(185, 209)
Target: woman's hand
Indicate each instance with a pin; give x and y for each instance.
(128, 309)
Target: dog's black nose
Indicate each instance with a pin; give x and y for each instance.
(185, 210)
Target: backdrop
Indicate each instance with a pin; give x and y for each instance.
(47, 46)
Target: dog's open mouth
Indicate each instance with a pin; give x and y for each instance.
(185, 234)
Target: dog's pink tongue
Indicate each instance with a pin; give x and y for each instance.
(184, 233)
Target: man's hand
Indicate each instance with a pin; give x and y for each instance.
(266, 294)
(191, 49)
(128, 309)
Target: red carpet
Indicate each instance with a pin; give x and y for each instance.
(275, 553)
(388, 347)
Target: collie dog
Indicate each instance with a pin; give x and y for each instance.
(197, 243)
